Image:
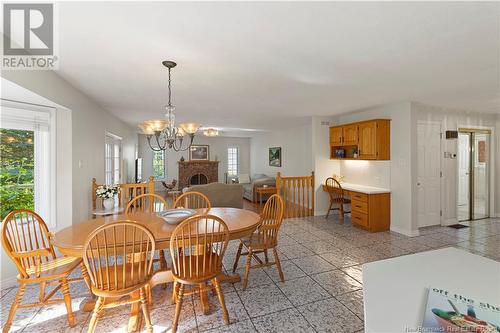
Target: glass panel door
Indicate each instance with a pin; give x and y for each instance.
(464, 176)
(481, 175)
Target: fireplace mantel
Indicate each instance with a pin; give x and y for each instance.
(187, 169)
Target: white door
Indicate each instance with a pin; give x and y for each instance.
(429, 173)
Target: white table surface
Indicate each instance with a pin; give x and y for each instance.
(364, 189)
(395, 290)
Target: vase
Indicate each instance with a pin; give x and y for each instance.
(108, 203)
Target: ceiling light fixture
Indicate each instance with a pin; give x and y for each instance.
(166, 134)
(211, 132)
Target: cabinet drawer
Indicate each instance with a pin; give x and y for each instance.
(359, 218)
(359, 196)
(359, 206)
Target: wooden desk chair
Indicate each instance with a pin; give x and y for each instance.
(337, 197)
(119, 261)
(151, 203)
(197, 247)
(27, 241)
(193, 200)
(265, 238)
(128, 191)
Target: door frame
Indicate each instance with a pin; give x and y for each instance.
(491, 167)
(441, 178)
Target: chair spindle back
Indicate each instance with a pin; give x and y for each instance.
(335, 192)
(119, 256)
(197, 247)
(149, 202)
(270, 220)
(193, 200)
(26, 239)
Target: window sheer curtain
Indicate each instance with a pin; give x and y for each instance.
(40, 120)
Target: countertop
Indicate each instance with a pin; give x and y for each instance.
(395, 290)
(364, 189)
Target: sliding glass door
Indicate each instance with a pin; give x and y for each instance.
(473, 174)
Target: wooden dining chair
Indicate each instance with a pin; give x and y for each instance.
(193, 200)
(27, 241)
(151, 203)
(197, 247)
(119, 260)
(337, 197)
(263, 239)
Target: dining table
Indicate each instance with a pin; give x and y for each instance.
(71, 240)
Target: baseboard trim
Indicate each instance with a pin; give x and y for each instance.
(406, 232)
(320, 213)
(8, 282)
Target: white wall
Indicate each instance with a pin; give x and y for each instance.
(89, 125)
(395, 174)
(322, 165)
(218, 149)
(296, 151)
(453, 120)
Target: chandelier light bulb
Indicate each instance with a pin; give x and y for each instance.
(211, 132)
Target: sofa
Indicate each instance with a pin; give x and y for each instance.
(221, 195)
(257, 180)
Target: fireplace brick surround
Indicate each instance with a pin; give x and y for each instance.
(187, 169)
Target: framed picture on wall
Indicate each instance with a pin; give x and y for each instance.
(199, 153)
(275, 156)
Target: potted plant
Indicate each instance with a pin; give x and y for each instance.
(107, 194)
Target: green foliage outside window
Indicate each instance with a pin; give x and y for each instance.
(16, 170)
(159, 164)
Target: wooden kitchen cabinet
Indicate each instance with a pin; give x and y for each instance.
(336, 136)
(367, 148)
(350, 133)
(365, 140)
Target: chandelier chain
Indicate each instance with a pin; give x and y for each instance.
(169, 89)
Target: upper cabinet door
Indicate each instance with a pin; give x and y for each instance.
(336, 136)
(368, 140)
(351, 135)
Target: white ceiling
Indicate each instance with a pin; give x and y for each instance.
(265, 65)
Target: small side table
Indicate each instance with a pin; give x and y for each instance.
(264, 190)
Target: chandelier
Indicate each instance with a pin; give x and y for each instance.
(211, 132)
(163, 132)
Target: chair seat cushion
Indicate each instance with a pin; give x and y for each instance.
(55, 268)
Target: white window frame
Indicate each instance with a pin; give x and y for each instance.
(42, 120)
(115, 142)
(229, 162)
(164, 165)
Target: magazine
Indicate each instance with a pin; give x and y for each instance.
(447, 311)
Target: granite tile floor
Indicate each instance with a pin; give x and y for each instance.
(322, 262)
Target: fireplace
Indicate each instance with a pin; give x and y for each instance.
(197, 172)
(198, 179)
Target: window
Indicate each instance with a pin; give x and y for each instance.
(159, 164)
(232, 161)
(112, 159)
(27, 167)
